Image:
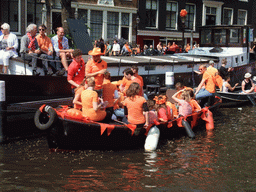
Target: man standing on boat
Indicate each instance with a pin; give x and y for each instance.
(208, 81)
(76, 70)
(46, 48)
(211, 69)
(29, 48)
(61, 47)
(96, 68)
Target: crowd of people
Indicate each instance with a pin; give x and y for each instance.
(99, 99)
(120, 49)
(54, 53)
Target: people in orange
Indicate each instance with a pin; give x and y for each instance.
(194, 104)
(110, 93)
(90, 106)
(78, 91)
(126, 49)
(187, 47)
(208, 83)
(179, 86)
(76, 70)
(45, 45)
(173, 109)
(164, 112)
(134, 106)
(211, 69)
(96, 68)
(130, 78)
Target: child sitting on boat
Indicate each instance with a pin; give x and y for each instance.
(194, 104)
(164, 112)
(134, 106)
(184, 102)
(226, 86)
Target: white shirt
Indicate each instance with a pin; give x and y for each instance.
(116, 47)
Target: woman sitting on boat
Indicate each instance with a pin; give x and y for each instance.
(194, 104)
(134, 105)
(247, 84)
(90, 106)
(226, 86)
(8, 46)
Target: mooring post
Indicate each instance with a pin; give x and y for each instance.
(3, 108)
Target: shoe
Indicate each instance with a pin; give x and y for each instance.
(61, 72)
(36, 73)
(49, 73)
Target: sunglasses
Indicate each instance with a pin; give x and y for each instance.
(41, 29)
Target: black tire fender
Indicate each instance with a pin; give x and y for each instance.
(44, 120)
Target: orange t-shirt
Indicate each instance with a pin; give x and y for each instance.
(92, 67)
(44, 43)
(135, 109)
(209, 83)
(141, 79)
(219, 80)
(88, 97)
(108, 92)
(211, 70)
(195, 106)
(79, 91)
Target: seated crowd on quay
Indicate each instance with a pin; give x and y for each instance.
(54, 53)
(125, 49)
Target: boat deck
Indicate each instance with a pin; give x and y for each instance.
(163, 59)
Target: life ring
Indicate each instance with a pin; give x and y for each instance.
(46, 118)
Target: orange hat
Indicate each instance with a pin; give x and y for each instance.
(95, 51)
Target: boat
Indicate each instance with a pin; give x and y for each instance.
(68, 130)
(236, 98)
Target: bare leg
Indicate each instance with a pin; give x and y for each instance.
(1, 68)
(64, 60)
(5, 69)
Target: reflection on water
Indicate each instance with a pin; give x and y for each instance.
(221, 160)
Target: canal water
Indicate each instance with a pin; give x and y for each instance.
(222, 160)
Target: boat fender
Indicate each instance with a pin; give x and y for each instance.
(188, 129)
(209, 123)
(151, 141)
(45, 118)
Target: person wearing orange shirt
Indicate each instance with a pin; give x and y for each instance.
(134, 106)
(90, 106)
(129, 75)
(208, 81)
(179, 86)
(110, 93)
(45, 45)
(96, 68)
(78, 91)
(126, 49)
(194, 104)
(211, 69)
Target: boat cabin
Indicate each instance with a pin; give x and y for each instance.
(225, 41)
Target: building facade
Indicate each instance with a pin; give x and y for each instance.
(160, 19)
(138, 21)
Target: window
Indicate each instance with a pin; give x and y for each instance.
(151, 13)
(206, 36)
(190, 19)
(171, 15)
(113, 23)
(211, 15)
(234, 35)
(125, 26)
(227, 16)
(242, 17)
(96, 24)
(9, 13)
(34, 12)
(220, 36)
